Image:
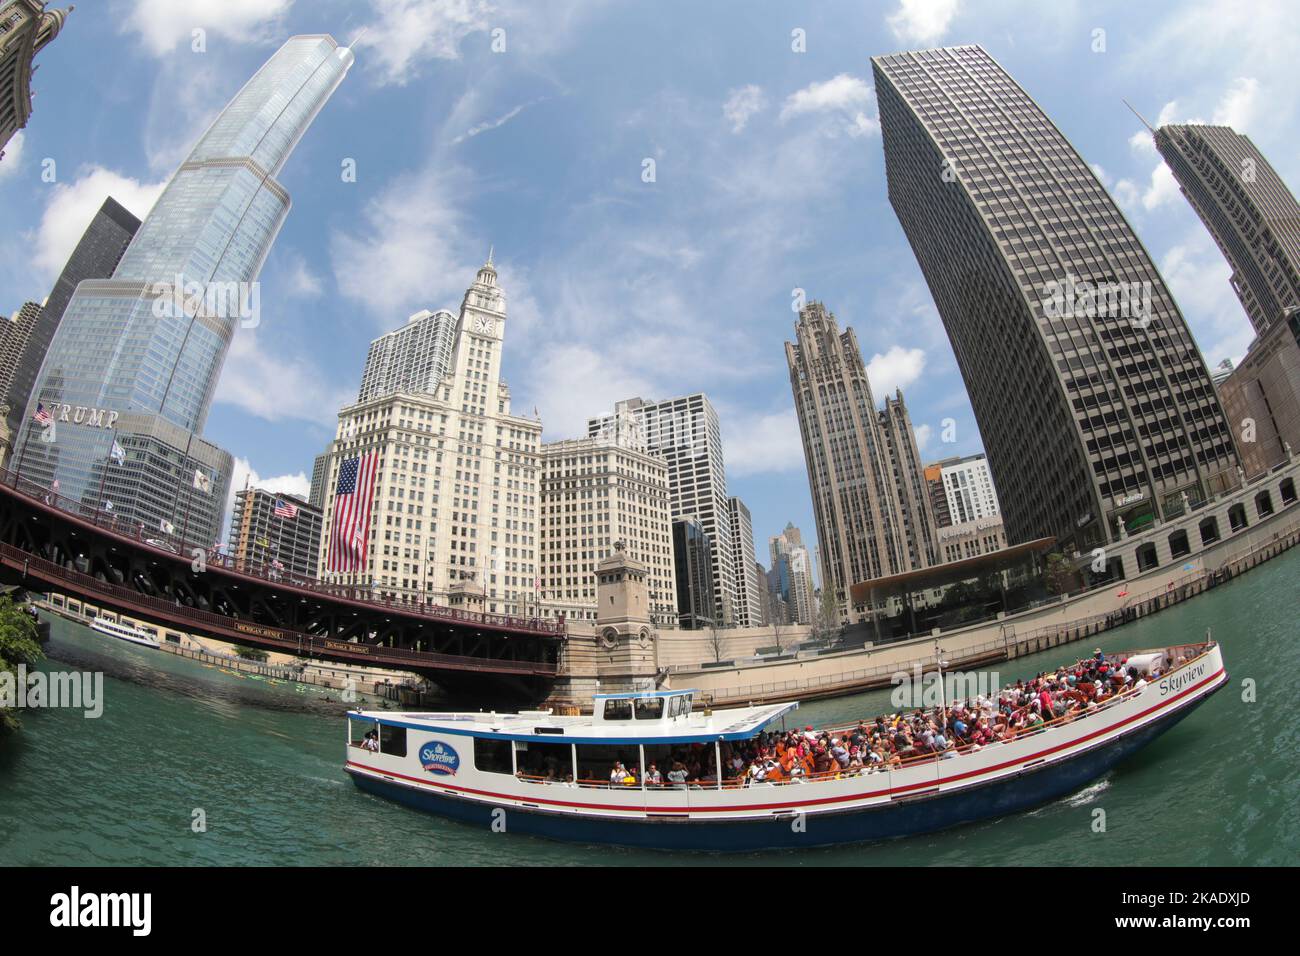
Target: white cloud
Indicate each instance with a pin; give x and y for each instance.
(73, 205)
(493, 124)
(1197, 274)
(754, 444)
(564, 408)
(262, 383)
(1238, 106)
(923, 21)
(742, 103)
(923, 434)
(162, 24)
(406, 33)
(303, 282)
(13, 155)
(411, 250)
(896, 368)
(845, 97)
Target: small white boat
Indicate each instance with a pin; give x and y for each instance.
(548, 775)
(124, 632)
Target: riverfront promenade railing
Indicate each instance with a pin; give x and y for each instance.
(290, 642)
(1010, 644)
(172, 544)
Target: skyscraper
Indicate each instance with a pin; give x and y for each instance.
(275, 532)
(136, 357)
(455, 509)
(14, 335)
(95, 257)
(1093, 402)
(868, 488)
(1252, 215)
(962, 490)
(26, 28)
(596, 493)
(413, 358)
(749, 607)
(693, 566)
(685, 432)
(791, 577)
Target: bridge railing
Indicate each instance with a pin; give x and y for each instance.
(173, 544)
(287, 641)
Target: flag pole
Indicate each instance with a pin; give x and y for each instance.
(103, 477)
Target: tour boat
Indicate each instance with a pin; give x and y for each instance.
(124, 632)
(479, 767)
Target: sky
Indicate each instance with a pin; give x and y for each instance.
(531, 126)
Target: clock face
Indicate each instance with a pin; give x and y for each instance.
(483, 325)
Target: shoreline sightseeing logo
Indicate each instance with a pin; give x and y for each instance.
(438, 757)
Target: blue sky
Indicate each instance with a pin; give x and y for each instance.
(769, 176)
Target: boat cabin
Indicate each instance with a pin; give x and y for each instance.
(643, 732)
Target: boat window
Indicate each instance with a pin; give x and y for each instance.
(649, 708)
(392, 740)
(618, 708)
(596, 761)
(492, 756)
(357, 730)
(545, 760)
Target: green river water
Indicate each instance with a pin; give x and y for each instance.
(264, 764)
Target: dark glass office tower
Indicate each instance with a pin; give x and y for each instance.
(1249, 211)
(95, 257)
(1094, 404)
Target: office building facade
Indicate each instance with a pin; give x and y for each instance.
(598, 494)
(454, 519)
(791, 577)
(961, 490)
(414, 358)
(1096, 409)
(263, 541)
(749, 607)
(1262, 396)
(685, 432)
(136, 357)
(95, 256)
(693, 566)
(869, 496)
(1252, 215)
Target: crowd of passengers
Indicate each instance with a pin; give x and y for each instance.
(966, 726)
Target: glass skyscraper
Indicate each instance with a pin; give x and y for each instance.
(136, 357)
(1094, 404)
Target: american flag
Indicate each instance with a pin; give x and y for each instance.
(284, 509)
(42, 416)
(353, 496)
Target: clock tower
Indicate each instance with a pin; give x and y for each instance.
(483, 310)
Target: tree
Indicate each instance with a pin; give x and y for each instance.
(717, 642)
(18, 645)
(251, 653)
(1059, 575)
(777, 625)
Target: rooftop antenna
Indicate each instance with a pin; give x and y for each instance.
(1139, 116)
(357, 39)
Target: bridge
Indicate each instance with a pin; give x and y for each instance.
(52, 543)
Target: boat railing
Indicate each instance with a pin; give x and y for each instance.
(841, 773)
